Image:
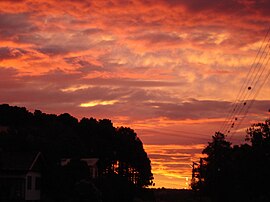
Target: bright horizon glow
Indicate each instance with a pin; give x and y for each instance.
(165, 171)
(168, 69)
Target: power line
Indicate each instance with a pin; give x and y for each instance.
(244, 85)
(249, 86)
(261, 68)
(254, 97)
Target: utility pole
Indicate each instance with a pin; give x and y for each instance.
(200, 172)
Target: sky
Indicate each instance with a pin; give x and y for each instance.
(169, 69)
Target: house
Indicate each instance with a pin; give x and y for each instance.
(91, 163)
(20, 176)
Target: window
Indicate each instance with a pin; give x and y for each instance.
(37, 183)
(29, 182)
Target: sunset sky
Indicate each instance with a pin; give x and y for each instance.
(170, 69)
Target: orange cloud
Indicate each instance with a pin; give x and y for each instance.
(169, 69)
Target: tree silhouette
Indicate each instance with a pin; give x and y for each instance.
(216, 171)
(122, 159)
(133, 160)
(259, 136)
(238, 173)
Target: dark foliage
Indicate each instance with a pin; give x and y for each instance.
(122, 159)
(238, 173)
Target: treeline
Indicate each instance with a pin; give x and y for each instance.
(236, 173)
(123, 163)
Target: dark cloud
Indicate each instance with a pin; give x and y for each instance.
(14, 1)
(87, 67)
(189, 110)
(16, 24)
(133, 82)
(8, 79)
(225, 6)
(30, 38)
(158, 37)
(199, 109)
(176, 153)
(66, 80)
(11, 53)
(92, 31)
(259, 106)
(83, 65)
(58, 44)
(261, 5)
(6, 72)
(132, 100)
(53, 50)
(57, 77)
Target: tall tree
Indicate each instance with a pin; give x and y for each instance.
(133, 160)
(238, 173)
(259, 136)
(215, 173)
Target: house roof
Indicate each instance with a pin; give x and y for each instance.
(89, 161)
(18, 161)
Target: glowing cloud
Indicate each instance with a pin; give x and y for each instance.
(167, 159)
(98, 102)
(169, 69)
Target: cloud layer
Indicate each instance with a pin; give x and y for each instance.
(169, 69)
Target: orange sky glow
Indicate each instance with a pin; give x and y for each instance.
(170, 69)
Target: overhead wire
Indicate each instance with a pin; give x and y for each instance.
(254, 98)
(257, 68)
(260, 70)
(244, 85)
